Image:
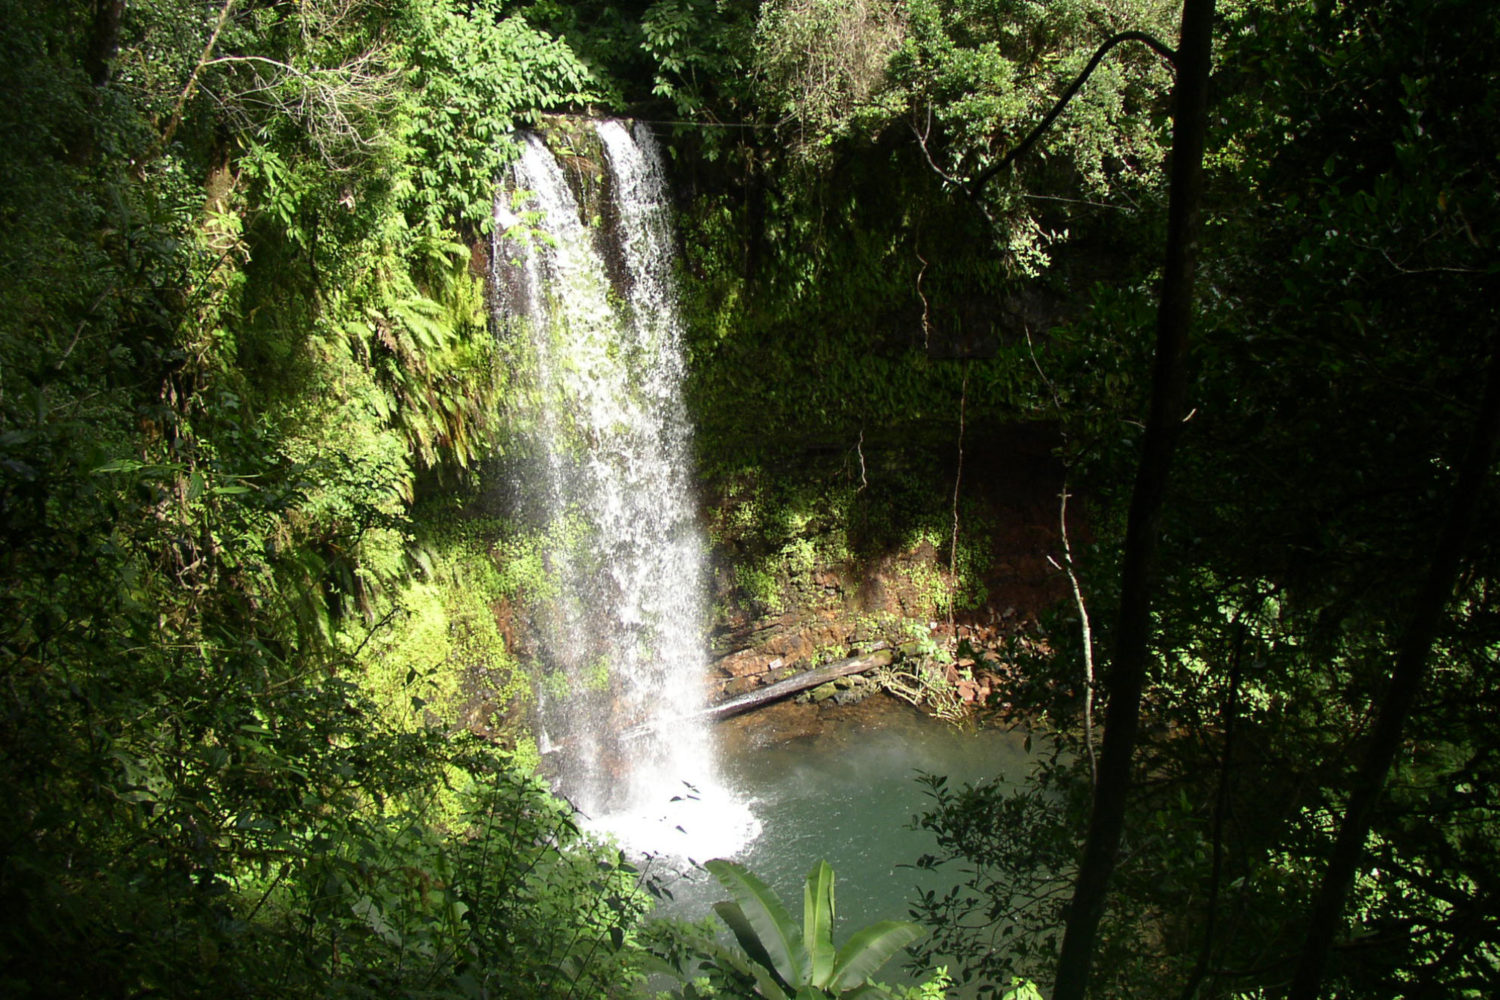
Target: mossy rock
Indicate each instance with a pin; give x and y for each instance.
(823, 692)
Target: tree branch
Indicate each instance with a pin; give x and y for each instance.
(958, 475)
(332, 104)
(1036, 133)
(1085, 628)
(208, 51)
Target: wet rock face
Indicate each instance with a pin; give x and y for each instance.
(580, 153)
(781, 650)
(795, 586)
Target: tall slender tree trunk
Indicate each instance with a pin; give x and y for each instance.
(104, 40)
(98, 63)
(1406, 681)
(1131, 652)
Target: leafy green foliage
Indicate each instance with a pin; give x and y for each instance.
(986, 69)
(239, 316)
(814, 329)
(838, 273)
(476, 73)
(440, 659)
(1013, 851)
(780, 960)
(701, 49)
(1336, 378)
(822, 64)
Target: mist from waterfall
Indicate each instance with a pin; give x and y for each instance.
(592, 311)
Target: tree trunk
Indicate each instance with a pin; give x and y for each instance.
(1406, 681)
(1131, 652)
(104, 40)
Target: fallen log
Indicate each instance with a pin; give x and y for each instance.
(800, 682)
(775, 692)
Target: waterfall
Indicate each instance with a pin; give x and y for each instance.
(592, 315)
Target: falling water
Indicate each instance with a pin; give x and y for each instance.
(594, 310)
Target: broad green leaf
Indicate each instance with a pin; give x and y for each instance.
(817, 922)
(734, 918)
(868, 950)
(727, 958)
(779, 937)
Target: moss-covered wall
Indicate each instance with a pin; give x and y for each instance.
(817, 559)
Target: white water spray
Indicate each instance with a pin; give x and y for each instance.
(623, 633)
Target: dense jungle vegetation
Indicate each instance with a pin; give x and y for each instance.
(260, 734)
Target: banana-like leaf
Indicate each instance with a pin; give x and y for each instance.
(817, 922)
(734, 918)
(868, 950)
(780, 939)
(765, 982)
(727, 958)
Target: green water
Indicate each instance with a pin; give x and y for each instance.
(842, 786)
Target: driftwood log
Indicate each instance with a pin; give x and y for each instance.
(799, 682)
(775, 692)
